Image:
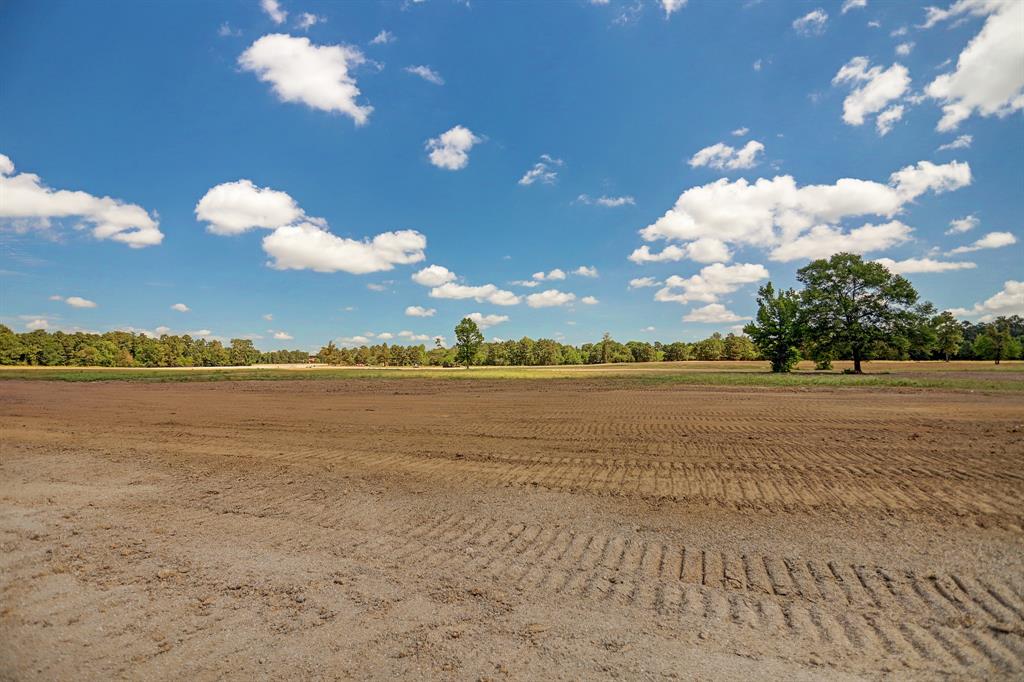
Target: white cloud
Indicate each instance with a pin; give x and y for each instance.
(316, 75)
(711, 282)
(823, 240)
(876, 88)
(758, 65)
(725, 157)
(274, 11)
(988, 79)
(1008, 301)
(853, 4)
(37, 323)
(233, 207)
(811, 24)
(79, 302)
(589, 300)
(383, 38)
(29, 204)
(899, 32)
(903, 49)
(181, 308)
(992, 240)
(485, 321)
(451, 149)
(225, 31)
(585, 271)
(420, 311)
(307, 246)
(484, 293)
(740, 132)
(528, 283)
(385, 336)
(555, 274)
(703, 250)
(550, 298)
(283, 336)
(648, 329)
(542, 171)
(406, 334)
(608, 202)
(888, 118)
(915, 265)
(306, 21)
(373, 286)
(642, 282)
(773, 213)
(671, 6)
(268, 317)
(712, 313)
(433, 276)
(961, 225)
(201, 333)
(961, 142)
(426, 73)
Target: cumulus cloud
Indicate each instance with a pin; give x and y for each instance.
(451, 149)
(853, 4)
(811, 24)
(671, 6)
(274, 11)
(28, 204)
(298, 241)
(443, 284)
(37, 323)
(412, 336)
(903, 49)
(79, 302)
(740, 132)
(420, 311)
(711, 282)
(773, 213)
(888, 118)
(608, 202)
(426, 73)
(181, 308)
(874, 88)
(712, 313)
(824, 240)
(961, 142)
(315, 75)
(725, 157)
(1008, 301)
(643, 282)
(550, 298)
(992, 240)
(703, 250)
(912, 266)
(585, 271)
(268, 317)
(433, 276)
(543, 171)
(961, 225)
(283, 336)
(555, 274)
(485, 321)
(383, 38)
(589, 300)
(988, 79)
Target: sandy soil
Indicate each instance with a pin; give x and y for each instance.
(508, 530)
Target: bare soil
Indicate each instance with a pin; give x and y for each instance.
(552, 529)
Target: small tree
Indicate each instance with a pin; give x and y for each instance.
(997, 343)
(949, 335)
(848, 304)
(777, 330)
(467, 340)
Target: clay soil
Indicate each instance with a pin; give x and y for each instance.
(557, 529)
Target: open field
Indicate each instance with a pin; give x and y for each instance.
(596, 527)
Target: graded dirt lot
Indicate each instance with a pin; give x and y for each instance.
(555, 529)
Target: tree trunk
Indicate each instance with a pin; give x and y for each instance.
(856, 362)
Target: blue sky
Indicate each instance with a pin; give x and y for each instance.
(388, 149)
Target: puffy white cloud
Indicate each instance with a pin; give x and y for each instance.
(79, 302)
(585, 271)
(725, 157)
(988, 78)
(888, 118)
(1008, 301)
(268, 317)
(420, 311)
(811, 24)
(961, 142)
(555, 274)
(385, 336)
(29, 204)
(823, 240)
(961, 225)
(283, 336)
(433, 276)
(711, 282)
(992, 240)
(740, 132)
(853, 4)
(316, 75)
(712, 313)
(550, 298)
(307, 246)
(543, 171)
(703, 250)
(201, 333)
(373, 286)
(37, 323)
(773, 213)
(180, 307)
(608, 202)
(903, 49)
(528, 283)
(915, 265)
(671, 6)
(411, 336)
(875, 89)
(383, 38)
(426, 73)
(485, 321)
(234, 207)
(484, 293)
(306, 21)
(451, 149)
(274, 11)
(589, 300)
(642, 282)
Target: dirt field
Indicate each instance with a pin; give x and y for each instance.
(568, 529)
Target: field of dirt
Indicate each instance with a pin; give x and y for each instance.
(556, 529)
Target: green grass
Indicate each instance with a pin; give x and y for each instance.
(604, 375)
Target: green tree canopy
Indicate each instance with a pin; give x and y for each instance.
(467, 340)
